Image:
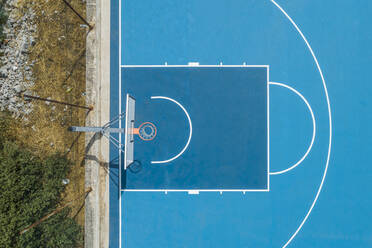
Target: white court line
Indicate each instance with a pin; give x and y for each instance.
(190, 134)
(134, 66)
(268, 126)
(200, 190)
(120, 125)
(314, 129)
(330, 124)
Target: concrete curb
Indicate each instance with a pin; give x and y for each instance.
(97, 149)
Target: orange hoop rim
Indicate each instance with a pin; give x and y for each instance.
(152, 125)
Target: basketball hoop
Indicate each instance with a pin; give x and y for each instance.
(146, 131)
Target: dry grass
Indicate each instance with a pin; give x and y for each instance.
(59, 72)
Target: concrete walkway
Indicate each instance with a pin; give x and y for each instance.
(97, 149)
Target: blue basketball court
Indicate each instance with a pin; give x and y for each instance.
(239, 124)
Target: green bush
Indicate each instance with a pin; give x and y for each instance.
(5, 120)
(3, 19)
(30, 188)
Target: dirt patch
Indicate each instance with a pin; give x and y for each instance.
(59, 73)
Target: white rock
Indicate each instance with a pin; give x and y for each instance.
(18, 88)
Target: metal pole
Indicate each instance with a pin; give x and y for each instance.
(82, 18)
(96, 129)
(55, 101)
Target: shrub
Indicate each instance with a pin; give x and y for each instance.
(30, 188)
(3, 19)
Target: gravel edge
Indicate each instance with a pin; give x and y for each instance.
(16, 70)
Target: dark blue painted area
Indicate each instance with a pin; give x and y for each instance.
(114, 219)
(228, 110)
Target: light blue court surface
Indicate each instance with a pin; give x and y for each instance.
(316, 127)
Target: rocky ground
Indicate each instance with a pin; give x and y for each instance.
(15, 67)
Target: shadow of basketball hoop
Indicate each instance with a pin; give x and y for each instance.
(135, 166)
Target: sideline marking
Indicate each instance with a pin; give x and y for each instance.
(330, 124)
(314, 128)
(190, 134)
(120, 125)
